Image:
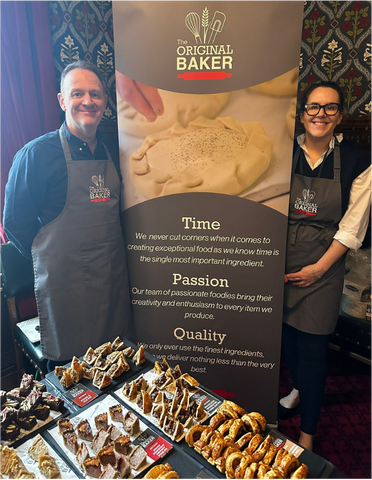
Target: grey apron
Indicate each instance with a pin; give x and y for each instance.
(314, 215)
(81, 279)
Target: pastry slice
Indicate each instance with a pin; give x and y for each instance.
(155, 394)
(129, 352)
(84, 430)
(123, 467)
(116, 413)
(48, 467)
(100, 440)
(101, 421)
(107, 455)
(122, 444)
(130, 391)
(144, 402)
(110, 472)
(117, 344)
(139, 356)
(70, 441)
(113, 432)
(90, 357)
(131, 423)
(89, 373)
(42, 412)
(76, 370)
(92, 467)
(38, 448)
(6, 454)
(161, 367)
(137, 457)
(64, 424)
(141, 383)
(66, 379)
(104, 349)
(161, 381)
(101, 379)
(82, 454)
(101, 363)
(59, 370)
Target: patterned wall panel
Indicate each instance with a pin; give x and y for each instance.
(336, 45)
(84, 31)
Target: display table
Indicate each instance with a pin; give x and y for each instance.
(83, 401)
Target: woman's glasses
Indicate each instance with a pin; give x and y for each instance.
(330, 109)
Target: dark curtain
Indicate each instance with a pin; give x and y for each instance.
(29, 106)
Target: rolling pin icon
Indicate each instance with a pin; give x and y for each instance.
(218, 21)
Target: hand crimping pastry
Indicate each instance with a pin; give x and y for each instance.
(178, 107)
(218, 156)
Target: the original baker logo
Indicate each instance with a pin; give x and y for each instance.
(305, 205)
(99, 193)
(206, 60)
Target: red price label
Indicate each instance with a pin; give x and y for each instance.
(84, 397)
(158, 448)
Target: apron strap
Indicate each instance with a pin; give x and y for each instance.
(66, 146)
(336, 162)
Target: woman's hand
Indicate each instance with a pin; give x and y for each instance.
(305, 277)
(145, 99)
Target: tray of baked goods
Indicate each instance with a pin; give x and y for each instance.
(107, 440)
(169, 399)
(238, 445)
(34, 458)
(27, 409)
(100, 368)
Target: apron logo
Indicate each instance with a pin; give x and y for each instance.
(99, 193)
(207, 60)
(305, 205)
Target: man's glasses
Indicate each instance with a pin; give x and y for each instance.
(330, 109)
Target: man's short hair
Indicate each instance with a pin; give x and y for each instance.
(85, 65)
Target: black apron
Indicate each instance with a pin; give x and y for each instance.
(314, 214)
(81, 282)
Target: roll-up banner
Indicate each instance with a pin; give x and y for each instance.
(205, 186)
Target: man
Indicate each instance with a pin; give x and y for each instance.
(62, 208)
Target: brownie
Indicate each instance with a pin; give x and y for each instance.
(27, 423)
(7, 416)
(26, 383)
(38, 386)
(11, 404)
(15, 394)
(10, 432)
(33, 398)
(2, 397)
(42, 412)
(55, 403)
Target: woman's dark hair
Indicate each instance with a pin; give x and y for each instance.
(324, 84)
(85, 65)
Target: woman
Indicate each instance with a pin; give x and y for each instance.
(329, 211)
